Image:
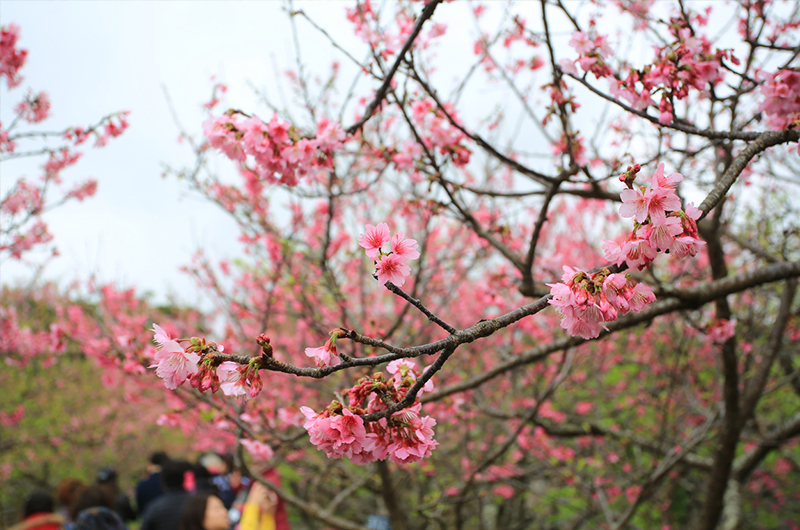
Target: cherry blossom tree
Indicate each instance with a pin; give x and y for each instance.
(387, 339)
(23, 204)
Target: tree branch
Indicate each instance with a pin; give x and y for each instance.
(427, 13)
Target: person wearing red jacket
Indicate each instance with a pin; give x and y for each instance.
(38, 513)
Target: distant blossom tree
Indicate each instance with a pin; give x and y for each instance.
(43, 334)
(22, 206)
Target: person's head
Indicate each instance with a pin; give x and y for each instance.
(213, 463)
(229, 462)
(107, 475)
(39, 502)
(68, 490)
(204, 512)
(157, 461)
(92, 497)
(203, 479)
(173, 473)
(99, 518)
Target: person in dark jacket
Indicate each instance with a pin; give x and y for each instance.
(164, 513)
(149, 489)
(107, 479)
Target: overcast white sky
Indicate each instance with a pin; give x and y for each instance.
(94, 58)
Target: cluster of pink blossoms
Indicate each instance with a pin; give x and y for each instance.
(687, 63)
(11, 59)
(593, 51)
(391, 266)
(34, 108)
(405, 437)
(720, 330)
(176, 365)
(259, 450)
(781, 103)
(280, 154)
(233, 379)
(586, 300)
(440, 134)
(660, 224)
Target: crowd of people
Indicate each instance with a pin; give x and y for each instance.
(174, 495)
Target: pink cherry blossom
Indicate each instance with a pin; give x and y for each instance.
(230, 378)
(669, 181)
(34, 108)
(173, 364)
(640, 203)
(662, 201)
(318, 427)
(406, 369)
(613, 290)
(324, 356)
(11, 58)
(416, 446)
(640, 297)
(337, 435)
(259, 450)
(568, 67)
(374, 239)
(781, 98)
(586, 329)
(581, 42)
(393, 269)
(721, 330)
(684, 246)
(161, 336)
(613, 252)
(403, 248)
(663, 234)
(400, 367)
(693, 212)
(635, 203)
(638, 252)
(351, 434)
(562, 298)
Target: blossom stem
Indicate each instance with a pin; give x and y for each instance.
(416, 303)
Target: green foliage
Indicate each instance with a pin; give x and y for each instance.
(72, 424)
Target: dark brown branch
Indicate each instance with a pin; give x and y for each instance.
(475, 137)
(752, 247)
(684, 299)
(425, 311)
(755, 386)
(427, 13)
(411, 395)
(762, 142)
(660, 447)
(673, 457)
(680, 299)
(688, 129)
(732, 422)
(527, 272)
(745, 464)
(483, 234)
